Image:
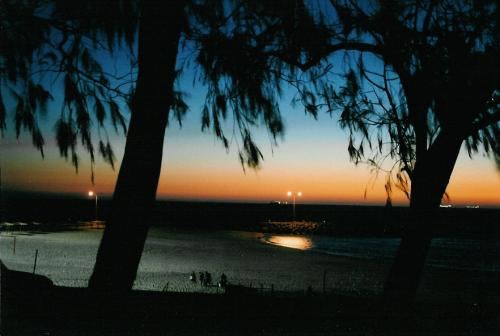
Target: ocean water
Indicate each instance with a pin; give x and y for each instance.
(450, 253)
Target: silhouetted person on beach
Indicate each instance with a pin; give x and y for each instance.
(192, 277)
(202, 279)
(223, 281)
(208, 279)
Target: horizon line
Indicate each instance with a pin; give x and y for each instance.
(108, 196)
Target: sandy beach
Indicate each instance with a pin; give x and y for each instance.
(170, 255)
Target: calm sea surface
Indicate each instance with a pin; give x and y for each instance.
(464, 254)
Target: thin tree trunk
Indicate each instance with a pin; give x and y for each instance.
(135, 192)
(429, 182)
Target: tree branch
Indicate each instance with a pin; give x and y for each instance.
(488, 120)
(326, 51)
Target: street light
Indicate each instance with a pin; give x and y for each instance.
(293, 194)
(94, 194)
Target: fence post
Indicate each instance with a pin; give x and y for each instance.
(36, 257)
(14, 247)
(324, 282)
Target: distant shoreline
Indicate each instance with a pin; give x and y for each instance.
(30, 195)
(339, 220)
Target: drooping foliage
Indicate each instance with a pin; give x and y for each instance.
(242, 48)
(19, 41)
(399, 74)
(73, 46)
(439, 72)
(53, 46)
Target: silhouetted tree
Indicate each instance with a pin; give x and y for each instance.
(417, 57)
(73, 34)
(440, 87)
(416, 81)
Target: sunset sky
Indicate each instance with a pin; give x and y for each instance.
(311, 158)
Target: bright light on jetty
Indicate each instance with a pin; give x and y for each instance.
(91, 193)
(293, 194)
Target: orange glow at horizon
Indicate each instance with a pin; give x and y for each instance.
(197, 177)
(262, 186)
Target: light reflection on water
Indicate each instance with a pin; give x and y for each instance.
(295, 242)
(450, 253)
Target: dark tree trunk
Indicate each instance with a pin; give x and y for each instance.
(429, 181)
(135, 192)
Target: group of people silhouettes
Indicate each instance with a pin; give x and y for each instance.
(205, 279)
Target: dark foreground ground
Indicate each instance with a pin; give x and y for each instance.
(32, 306)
